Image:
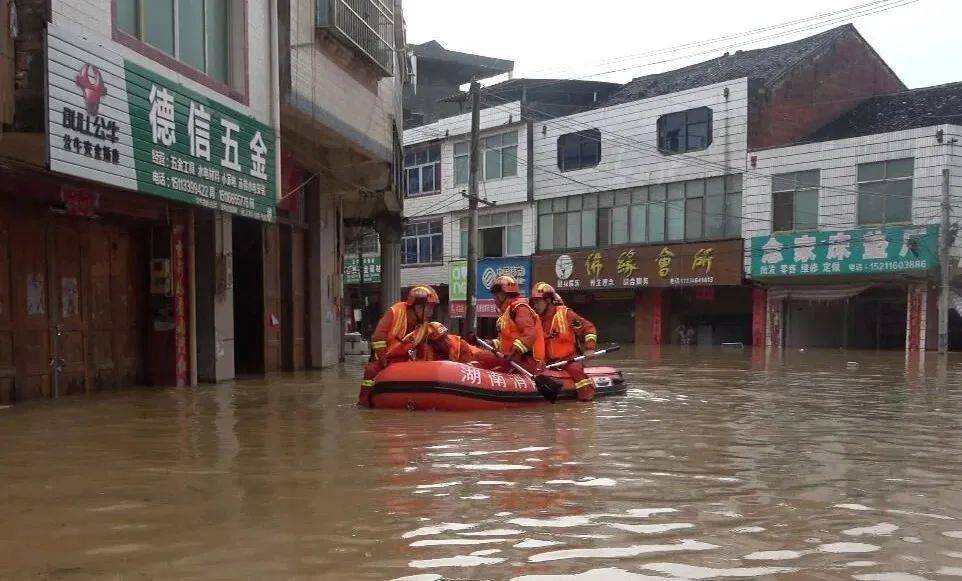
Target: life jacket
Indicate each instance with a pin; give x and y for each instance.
(399, 329)
(560, 340)
(510, 334)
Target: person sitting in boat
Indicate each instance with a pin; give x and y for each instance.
(520, 337)
(564, 331)
(442, 345)
(402, 328)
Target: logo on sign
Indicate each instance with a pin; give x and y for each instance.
(487, 278)
(564, 267)
(91, 83)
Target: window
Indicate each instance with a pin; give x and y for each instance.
(579, 150)
(499, 234)
(885, 192)
(194, 32)
(422, 243)
(685, 131)
(795, 201)
(422, 168)
(692, 210)
(499, 158)
(368, 241)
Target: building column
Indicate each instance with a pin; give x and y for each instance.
(325, 278)
(214, 263)
(916, 316)
(389, 231)
(759, 316)
(652, 306)
(775, 329)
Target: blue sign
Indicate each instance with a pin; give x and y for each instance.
(491, 268)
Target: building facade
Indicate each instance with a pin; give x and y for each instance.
(843, 231)
(153, 229)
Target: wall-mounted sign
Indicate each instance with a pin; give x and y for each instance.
(113, 121)
(861, 251)
(625, 267)
(372, 269)
(458, 280)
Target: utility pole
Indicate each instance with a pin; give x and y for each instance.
(945, 243)
(470, 314)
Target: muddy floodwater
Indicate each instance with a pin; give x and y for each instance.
(717, 464)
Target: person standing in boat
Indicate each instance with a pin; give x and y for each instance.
(403, 328)
(520, 337)
(564, 330)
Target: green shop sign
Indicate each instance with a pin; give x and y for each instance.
(372, 269)
(458, 280)
(885, 249)
(116, 122)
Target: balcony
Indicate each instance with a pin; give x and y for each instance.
(366, 26)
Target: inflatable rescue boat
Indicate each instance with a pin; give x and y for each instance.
(451, 386)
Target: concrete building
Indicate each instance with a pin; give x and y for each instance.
(843, 227)
(152, 230)
(639, 201)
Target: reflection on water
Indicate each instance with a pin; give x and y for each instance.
(717, 464)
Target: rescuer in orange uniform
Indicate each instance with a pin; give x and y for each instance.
(520, 337)
(563, 330)
(442, 345)
(404, 327)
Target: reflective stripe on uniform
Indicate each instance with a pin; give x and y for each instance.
(520, 346)
(367, 383)
(591, 337)
(496, 343)
(583, 384)
(379, 344)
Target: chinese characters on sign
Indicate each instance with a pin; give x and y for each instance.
(861, 251)
(692, 264)
(372, 270)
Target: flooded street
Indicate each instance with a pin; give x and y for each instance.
(715, 465)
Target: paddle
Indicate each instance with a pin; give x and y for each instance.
(547, 387)
(560, 364)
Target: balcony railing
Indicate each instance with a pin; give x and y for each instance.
(367, 26)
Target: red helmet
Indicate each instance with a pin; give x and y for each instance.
(423, 294)
(436, 331)
(545, 291)
(506, 284)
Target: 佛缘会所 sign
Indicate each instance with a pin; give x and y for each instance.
(626, 267)
(116, 122)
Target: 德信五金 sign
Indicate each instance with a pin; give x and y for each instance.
(625, 267)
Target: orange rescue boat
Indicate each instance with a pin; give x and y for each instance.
(451, 386)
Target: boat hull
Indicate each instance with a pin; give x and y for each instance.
(451, 386)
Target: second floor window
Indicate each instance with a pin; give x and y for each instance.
(693, 210)
(422, 167)
(579, 150)
(795, 201)
(499, 234)
(195, 32)
(499, 158)
(885, 192)
(423, 243)
(685, 131)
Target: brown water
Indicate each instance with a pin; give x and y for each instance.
(716, 464)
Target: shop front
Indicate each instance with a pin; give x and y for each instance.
(110, 253)
(687, 293)
(488, 270)
(865, 288)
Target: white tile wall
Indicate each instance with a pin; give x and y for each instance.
(838, 161)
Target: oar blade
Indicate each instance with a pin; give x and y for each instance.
(547, 387)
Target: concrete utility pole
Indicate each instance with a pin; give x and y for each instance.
(470, 315)
(945, 243)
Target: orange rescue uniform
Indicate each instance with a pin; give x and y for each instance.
(394, 335)
(519, 335)
(562, 329)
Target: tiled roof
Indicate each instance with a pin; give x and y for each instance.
(432, 50)
(906, 110)
(763, 64)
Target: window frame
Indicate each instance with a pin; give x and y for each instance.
(592, 136)
(436, 164)
(507, 223)
(796, 188)
(239, 91)
(482, 169)
(418, 237)
(685, 124)
(885, 195)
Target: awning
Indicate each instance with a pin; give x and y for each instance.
(819, 293)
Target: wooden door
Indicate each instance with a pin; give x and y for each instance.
(128, 283)
(8, 370)
(272, 298)
(298, 299)
(66, 300)
(30, 304)
(101, 317)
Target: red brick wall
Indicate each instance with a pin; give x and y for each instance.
(818, 91)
